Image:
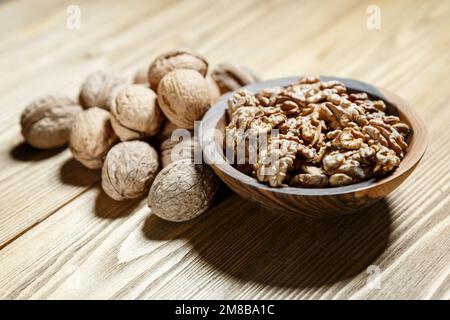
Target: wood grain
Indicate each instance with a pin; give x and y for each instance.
(60, 237)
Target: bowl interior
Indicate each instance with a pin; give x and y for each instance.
(215, 121)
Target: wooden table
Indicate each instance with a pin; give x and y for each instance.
(61, 237)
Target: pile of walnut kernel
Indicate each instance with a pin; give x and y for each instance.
(326, 136)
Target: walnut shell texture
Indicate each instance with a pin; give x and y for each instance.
(230, 77)
(129, 169)
(112, 95)
(184, 97)
(91, 137)
(96, 89)
(172, 60)
(136, 113)
(46, 122)
(214, 89)
(141, 77)
(183, 191)
(174, 150)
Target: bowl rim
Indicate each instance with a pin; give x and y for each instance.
(414, 154)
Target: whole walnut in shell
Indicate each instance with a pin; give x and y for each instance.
(112, 95)
(172, 60)
(136, 113)
(184, 97)
(140, 77)
(183, 191)
(214, 90)
(230, 77)
(174, 150)
(96, 89)
(46, 122)
(129, 169)
(91, 137)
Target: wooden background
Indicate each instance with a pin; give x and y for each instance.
(61, 237)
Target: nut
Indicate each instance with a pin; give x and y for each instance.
(91, 137)
(230, 77)
(183, 191)
(140, 77)
(112, 95)
(214, 90)
(136, 113)
(172, 60)
(46, 122)
(184, 97)
(326, 137)
(129, 169)
(96, 89)
(174, 150)
(166, 131)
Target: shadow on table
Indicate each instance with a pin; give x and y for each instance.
(108, 208)
(253, 244)
(74, 173)
(24, 152)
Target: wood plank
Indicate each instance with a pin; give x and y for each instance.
(24, 211)
(62, 238)
(97, 248)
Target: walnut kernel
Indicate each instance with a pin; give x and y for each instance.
(184, 97)
(230, 77)
(172, 60)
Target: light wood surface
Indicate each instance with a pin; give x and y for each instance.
(61, 237)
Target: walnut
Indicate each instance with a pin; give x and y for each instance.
(184, 97)
(129, 169)
(112, 95)
(214, 90)
(136, 113)
(230, 77)
(183, 191)
(97, 87)
(91, 137)
(46, 122)
(242, 98)
(325, 136)
(274, 173)
(140, 77)
(172, 60)
(340, 179)
(166, 132)
(174, 150)
(313, 177)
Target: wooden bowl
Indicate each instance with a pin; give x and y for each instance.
(313, 202)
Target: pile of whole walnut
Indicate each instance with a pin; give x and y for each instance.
(120, 126)
(326, 136)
